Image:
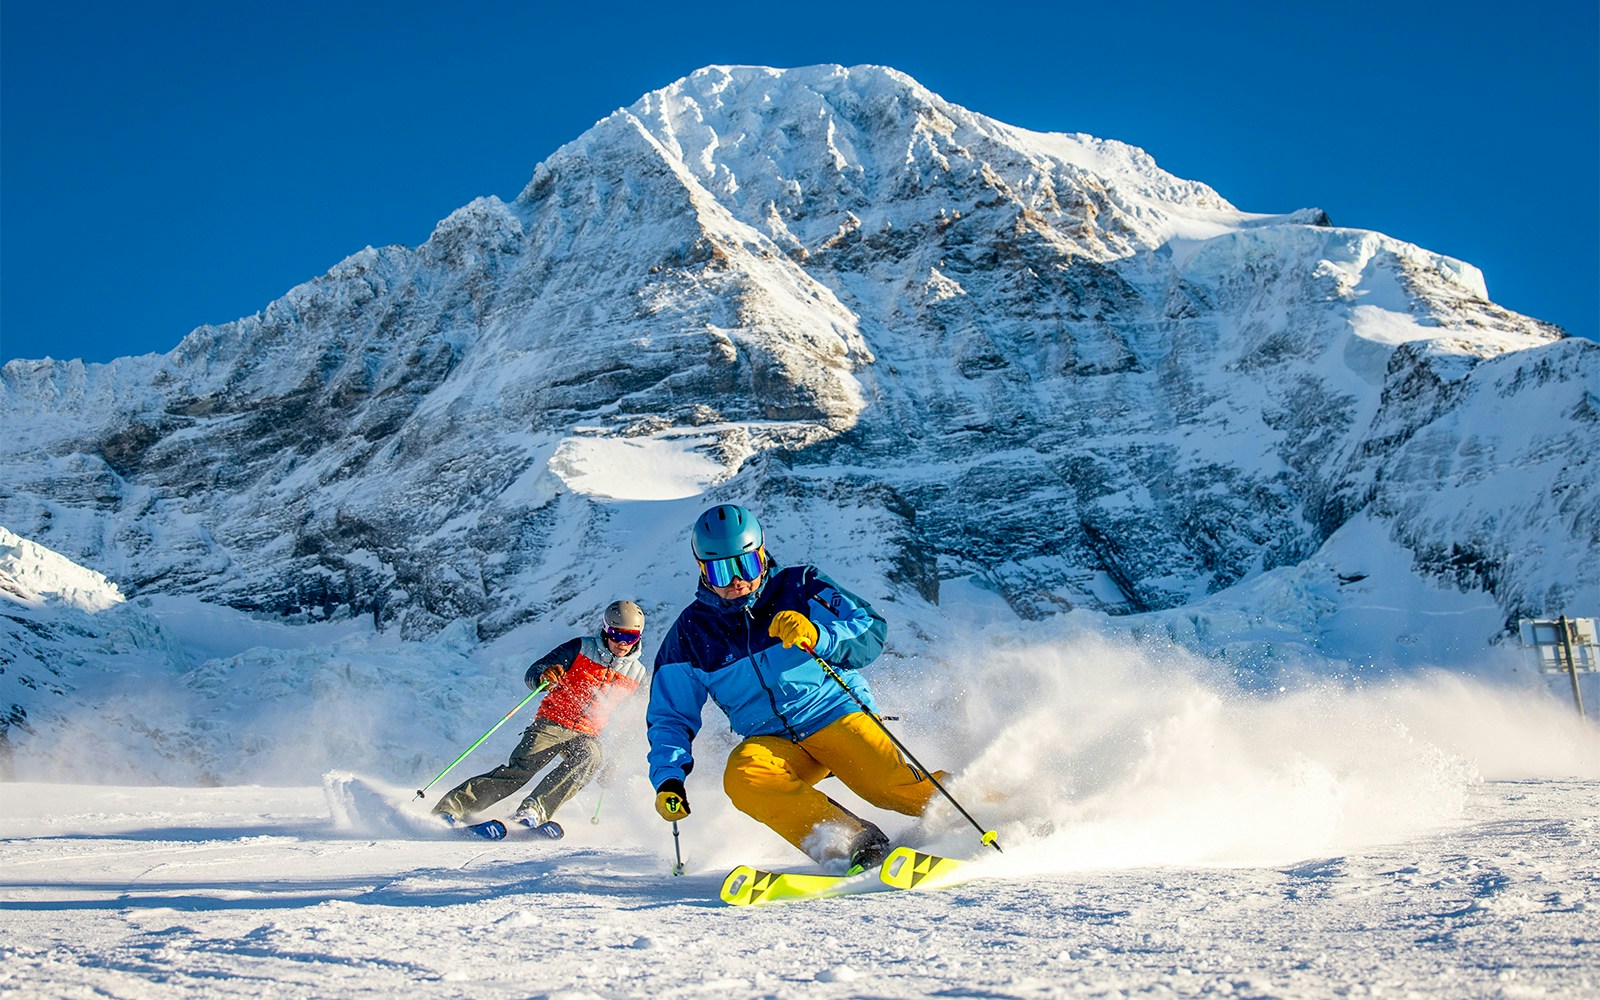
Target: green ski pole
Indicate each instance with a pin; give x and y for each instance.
(990, 838)
(497, 725)
(595, 819)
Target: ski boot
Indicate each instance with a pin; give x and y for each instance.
(868, 850)
(538, 825)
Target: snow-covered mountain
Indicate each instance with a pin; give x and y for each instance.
(945, 357)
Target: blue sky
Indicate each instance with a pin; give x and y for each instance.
(164, 164)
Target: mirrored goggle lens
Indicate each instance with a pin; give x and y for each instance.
(721, 572)
(624, 636)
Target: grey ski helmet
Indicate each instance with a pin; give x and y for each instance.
(622, 621)
(724, 531)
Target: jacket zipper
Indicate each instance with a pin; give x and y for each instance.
(755, 665)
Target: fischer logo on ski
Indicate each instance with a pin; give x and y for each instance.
(906, 868)
(747, 886)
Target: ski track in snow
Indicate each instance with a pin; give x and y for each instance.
(136, 892)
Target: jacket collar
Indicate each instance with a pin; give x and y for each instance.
(607, 658)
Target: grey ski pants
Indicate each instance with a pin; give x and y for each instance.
(580, 758)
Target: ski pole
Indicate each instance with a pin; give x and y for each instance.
(497, 725)
(989, 836)
(677, 867)
(595, 819)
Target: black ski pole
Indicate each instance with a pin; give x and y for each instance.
(990, 838)
(497, 725)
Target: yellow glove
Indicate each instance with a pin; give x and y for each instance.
(793, 627)
(671, 802)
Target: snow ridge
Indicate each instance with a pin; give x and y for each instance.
(36, 577)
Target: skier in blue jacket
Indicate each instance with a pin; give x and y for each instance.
(747, 643)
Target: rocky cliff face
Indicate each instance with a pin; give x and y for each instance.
(951, 347)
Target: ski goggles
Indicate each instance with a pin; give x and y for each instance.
(622, 636)
(745, 566)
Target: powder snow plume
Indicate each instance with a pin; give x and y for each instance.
(1092, 753)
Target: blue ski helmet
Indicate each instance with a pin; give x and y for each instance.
(726, 530)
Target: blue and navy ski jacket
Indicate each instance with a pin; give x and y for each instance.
(720, 649)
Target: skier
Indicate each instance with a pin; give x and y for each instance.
(587, 677)
(747, 643)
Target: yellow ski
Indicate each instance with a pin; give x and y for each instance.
(908, 868)
(746, 886)
(904, 868)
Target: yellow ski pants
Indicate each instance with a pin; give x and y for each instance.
(771, 779)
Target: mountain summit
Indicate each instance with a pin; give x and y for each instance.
(925, 344)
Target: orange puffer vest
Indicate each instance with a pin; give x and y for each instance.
(596, 680)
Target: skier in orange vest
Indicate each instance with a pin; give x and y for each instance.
(587, 677)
